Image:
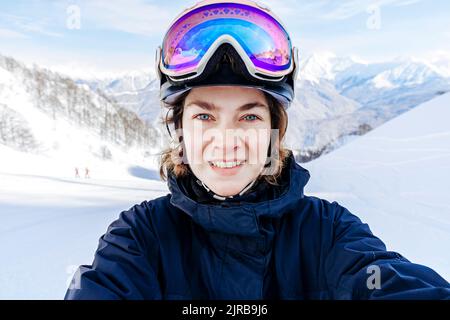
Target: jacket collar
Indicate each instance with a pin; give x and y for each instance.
(242, 218)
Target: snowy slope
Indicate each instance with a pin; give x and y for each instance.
(44, 113)
(51, 221)
(396, 179)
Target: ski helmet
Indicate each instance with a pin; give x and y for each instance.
(237, 42)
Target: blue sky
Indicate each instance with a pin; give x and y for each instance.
(121, 35)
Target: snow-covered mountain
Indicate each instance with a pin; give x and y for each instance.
(376, 92)
(338, 97)
(137, 91)
(46, 113)
(396, 179)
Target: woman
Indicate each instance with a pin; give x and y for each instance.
(236, 224)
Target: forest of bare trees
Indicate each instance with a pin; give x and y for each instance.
(61, 97)
(14, 131)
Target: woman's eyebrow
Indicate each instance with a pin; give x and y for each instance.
(252, 105)
(211, 107)
(202, 104)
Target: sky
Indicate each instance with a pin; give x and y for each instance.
(114, 36)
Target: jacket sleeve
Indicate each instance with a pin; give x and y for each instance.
(125, 262)
(358, 266)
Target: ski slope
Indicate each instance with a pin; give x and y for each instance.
(397, 179)
(51, 221)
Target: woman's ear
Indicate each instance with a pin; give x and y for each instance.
(181, 146)
(179, 130)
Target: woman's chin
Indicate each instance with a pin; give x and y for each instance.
(222, 192)
(226, 192)
(225, 185)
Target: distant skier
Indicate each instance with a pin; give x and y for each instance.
(86, 173)
(77, 173)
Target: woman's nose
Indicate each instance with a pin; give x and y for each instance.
(226, 140)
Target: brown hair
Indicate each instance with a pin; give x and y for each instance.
(279, 120)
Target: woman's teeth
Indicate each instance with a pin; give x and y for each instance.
(231, 164)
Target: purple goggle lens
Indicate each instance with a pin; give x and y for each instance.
(264, 40)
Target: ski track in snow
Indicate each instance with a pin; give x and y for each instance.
(52, 221)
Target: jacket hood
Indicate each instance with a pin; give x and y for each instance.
(242, 218)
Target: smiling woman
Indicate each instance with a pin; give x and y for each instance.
(237, 224)
(226, 159)
(225, 137)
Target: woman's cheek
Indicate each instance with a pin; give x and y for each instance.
(194, 147)
(259, 146)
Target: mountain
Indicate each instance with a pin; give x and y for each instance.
(46, 113)
(395, 178)
(137, 91)
(375, 92)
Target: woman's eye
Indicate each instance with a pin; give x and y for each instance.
(202, 116)
(251, 117)
(207, 117)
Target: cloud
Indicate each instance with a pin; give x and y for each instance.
(406, 3)
(131, 16)
(78, 63)
(328, 9)
(346, 9)
(25, 25)
(11, 34)
(37, 28)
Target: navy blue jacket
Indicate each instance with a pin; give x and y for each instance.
(289, 247)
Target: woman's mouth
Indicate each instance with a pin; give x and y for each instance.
(226, 168)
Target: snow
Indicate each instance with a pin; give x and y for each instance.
(323, 65)
(57, 136)
(396, 179)
(381, 81)
(51, 221)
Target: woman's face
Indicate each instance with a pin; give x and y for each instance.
(226, 133)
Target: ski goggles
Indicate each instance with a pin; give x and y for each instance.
(255, 33)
